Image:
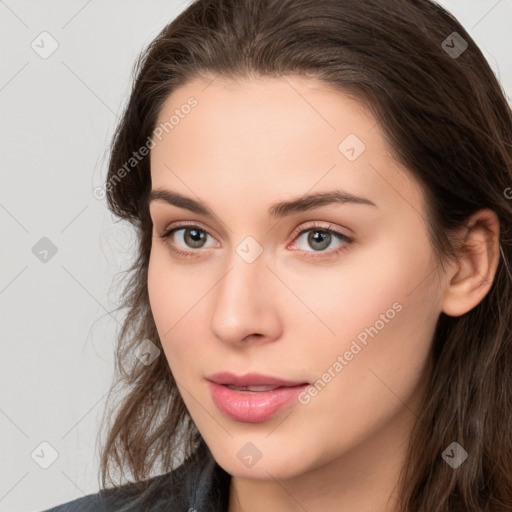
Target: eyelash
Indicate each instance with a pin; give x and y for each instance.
(314, 227)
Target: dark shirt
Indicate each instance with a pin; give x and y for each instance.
(198, 485)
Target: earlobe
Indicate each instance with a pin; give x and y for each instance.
(476, 266)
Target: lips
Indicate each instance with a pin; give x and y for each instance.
(252, 379)
(252, 397)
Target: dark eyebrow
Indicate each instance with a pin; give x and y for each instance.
(278, 210)
(311, 201)
(175, 199)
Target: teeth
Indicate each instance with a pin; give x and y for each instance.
(252, 388)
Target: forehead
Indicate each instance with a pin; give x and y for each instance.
(305, 106)
(267, 136)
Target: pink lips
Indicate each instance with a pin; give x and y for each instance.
(252, 406)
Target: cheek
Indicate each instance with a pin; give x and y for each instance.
(344, 299)
(175, 297)
(172, 290)
(384, 318)
(381, 315)
(158, 289)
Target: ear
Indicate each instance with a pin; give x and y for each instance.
(471, 277)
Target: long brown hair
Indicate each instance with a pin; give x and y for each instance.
(445, 118)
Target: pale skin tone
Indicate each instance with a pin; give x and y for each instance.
(242, 149)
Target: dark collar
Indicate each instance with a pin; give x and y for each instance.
(199, 484)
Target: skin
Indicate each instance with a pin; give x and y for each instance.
(246, 146)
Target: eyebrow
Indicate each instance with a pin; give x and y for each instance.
(277, 210)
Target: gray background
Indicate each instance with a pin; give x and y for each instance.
(58, 114)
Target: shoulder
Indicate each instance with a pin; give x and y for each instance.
(88, 503)
(124, 498)
(199, 483)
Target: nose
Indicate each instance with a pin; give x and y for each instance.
(246, 304)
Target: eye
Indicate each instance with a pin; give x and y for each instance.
(193, 237)
(186, 236)
(319, 238)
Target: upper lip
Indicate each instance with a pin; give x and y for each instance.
(251, 379)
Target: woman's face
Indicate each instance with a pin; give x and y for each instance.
(264, 287)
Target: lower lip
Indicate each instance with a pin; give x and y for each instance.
(253, 406)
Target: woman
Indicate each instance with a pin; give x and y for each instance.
(320, 308)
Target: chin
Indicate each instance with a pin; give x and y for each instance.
(260, 459)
